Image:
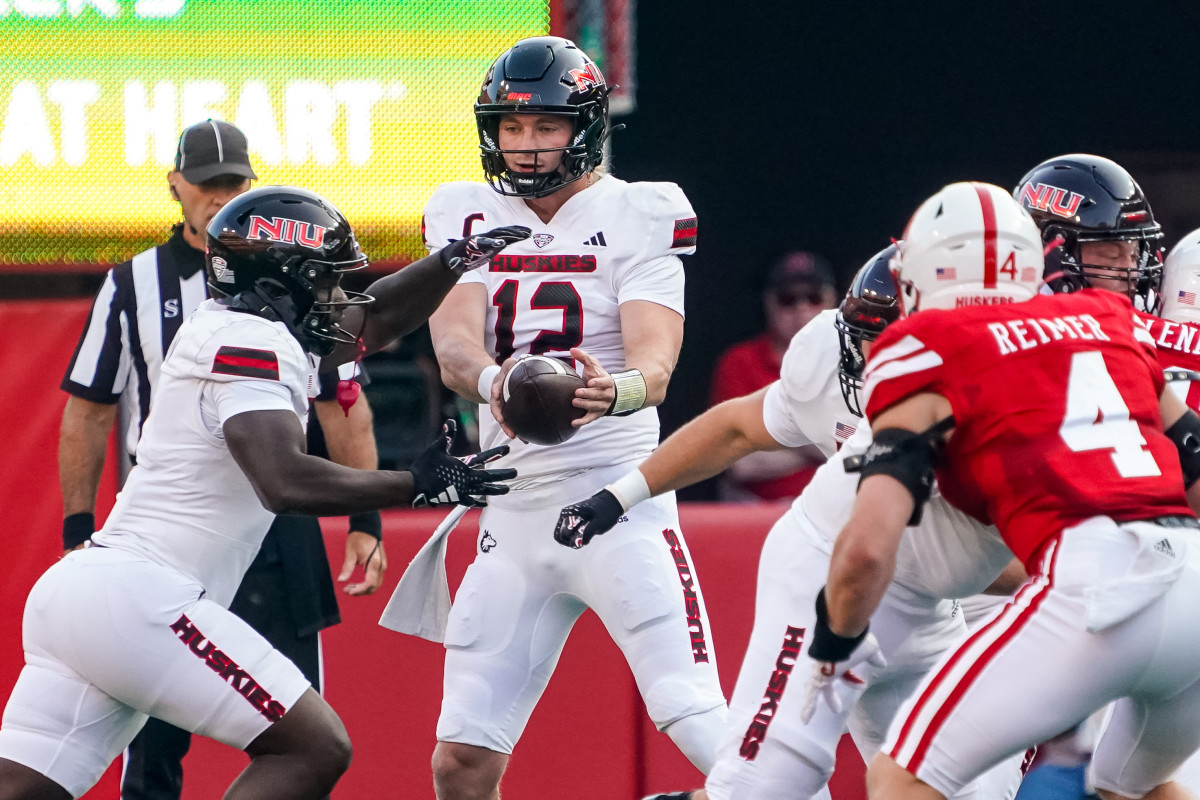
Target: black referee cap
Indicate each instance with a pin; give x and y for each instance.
(212, 148)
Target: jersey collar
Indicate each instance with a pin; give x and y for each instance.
(188, 260)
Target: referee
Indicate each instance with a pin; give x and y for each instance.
(287, 594)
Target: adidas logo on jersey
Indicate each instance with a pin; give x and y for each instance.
(597, 240)
(1165, 548)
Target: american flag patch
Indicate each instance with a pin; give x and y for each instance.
(1187, 298)
(685, 233)
(246, 363)
(842, 431)
(947, 273)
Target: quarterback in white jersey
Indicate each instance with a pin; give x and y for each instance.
(137, 624)
(778, 742)
(599, 282)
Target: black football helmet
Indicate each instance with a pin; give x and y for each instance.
(870, 305)
(543, 75)
(280, 252)
(1084, 198)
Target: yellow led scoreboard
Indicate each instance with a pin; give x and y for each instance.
(364, 101)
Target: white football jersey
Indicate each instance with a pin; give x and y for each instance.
(187, 505)
(563, 287)
(805, 406)
(950, 554)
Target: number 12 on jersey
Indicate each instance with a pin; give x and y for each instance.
(550, 295)
(1098, 419)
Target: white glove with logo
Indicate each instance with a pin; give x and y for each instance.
(835, 660)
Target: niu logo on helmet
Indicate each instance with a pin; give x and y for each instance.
(1045, 197)
(586, 78)
(288, 231)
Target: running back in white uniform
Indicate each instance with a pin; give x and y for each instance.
(612, 243)
(212, 532)
(137, 624)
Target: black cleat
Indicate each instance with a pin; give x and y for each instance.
(671, 796)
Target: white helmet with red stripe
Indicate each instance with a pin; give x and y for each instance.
(970, 244)
(1181, 281)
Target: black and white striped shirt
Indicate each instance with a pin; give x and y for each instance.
(134, 319)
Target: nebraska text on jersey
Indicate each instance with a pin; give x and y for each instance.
(1178, 336)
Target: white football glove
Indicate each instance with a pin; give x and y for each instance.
(827, 676)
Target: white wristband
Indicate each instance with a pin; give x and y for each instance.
(630, 489)
(486, 379)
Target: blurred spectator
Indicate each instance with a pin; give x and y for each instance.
(799, 286)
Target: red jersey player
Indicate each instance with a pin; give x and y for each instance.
(1177, 331)
(1051, 410)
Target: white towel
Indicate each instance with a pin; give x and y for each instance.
(420, 604)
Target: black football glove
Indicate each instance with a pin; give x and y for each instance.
(474, 251)
(578, 523)
(439, 478)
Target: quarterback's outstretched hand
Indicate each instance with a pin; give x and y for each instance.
(834, 660)
(478, 249)
(440, 479)
(578, 523)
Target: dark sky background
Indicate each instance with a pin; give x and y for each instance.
(822, 126)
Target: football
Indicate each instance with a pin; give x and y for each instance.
(536, 400)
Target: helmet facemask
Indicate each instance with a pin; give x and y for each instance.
(306, 299)
(581, 155)
(871, 304)
(851, 362)
(1066, 270)
(318, 329)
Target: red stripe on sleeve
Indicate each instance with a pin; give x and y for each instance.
(237, 361)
